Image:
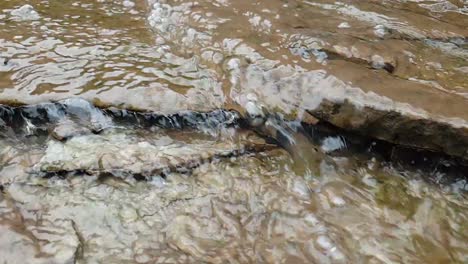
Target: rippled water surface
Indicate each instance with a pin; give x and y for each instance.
(180, 181)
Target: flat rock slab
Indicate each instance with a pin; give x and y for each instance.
(331, 100)
(397, 127)
(235, 209)
(68, 129)
(119, 153)
(393, 70)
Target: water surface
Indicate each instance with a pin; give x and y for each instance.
(187, 183)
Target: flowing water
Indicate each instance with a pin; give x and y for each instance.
(152, 171)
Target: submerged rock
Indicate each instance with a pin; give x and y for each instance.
(153, 168)
(398, 56)
(334, 101)
(122, 153)
(25, 13)
(66, 118)
(401, 128)
(67, 129)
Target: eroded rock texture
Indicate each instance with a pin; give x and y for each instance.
(164, 170)
(403, 58)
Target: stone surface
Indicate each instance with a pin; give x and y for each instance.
(182, 181)
(68, 129)
(396, 127)
(25, 13)
(119, 154)
(407, 58)
(250, 207)
(397, 58)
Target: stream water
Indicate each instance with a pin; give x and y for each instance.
(134, 162)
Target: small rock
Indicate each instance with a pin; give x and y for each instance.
(142, 258)
(218, 58)
(127, 3)
(25, 12)
(301, 189)
(311, 219)
(255, 114)
(344, 25)
(309, 119)
(462, 69)
(337, 201)
(380, 31)
(324, 242)
(320, 56)
(66, 130)
(377, 62)
(369, 180)
(331, 144)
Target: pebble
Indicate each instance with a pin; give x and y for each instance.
(380, 31)
(311, 219)
(338, 201)
(344, 25)
(331, 144)
(377, 62)
(325, 243)
(68, 129)
(255, 113)
(369, 180)
(128, 3)
(25, 12)
(142, 258)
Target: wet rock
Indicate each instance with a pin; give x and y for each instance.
(396, 127)
(331, 144)
(67, 129)
(127, 3)
(120, 154)
(388, 52)
(255, 115)
(84, 113)
(206, 201)
(344, 25)
(380, 31)
(376, 112)
(309, 119)
(25, 13)
(249, 208)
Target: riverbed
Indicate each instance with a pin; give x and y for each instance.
(233, 131)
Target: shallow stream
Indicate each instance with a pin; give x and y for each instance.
(135, 162)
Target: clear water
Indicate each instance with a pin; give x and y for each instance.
(131, 190)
